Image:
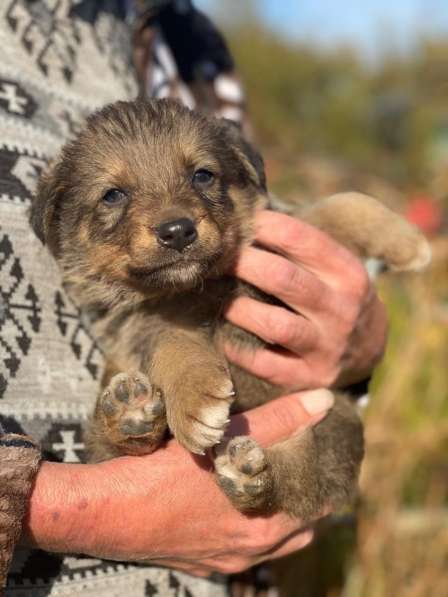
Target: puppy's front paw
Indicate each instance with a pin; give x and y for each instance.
(244, 475)
(198, 413)
(132, 413)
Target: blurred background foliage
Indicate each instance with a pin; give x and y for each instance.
(389, 120)
(327, 120)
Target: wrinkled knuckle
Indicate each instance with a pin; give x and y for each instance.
(280, 328)
(290, 235)
(345, 310)
(284, 277)
(320, 297)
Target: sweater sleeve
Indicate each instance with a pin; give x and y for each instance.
(19, 462)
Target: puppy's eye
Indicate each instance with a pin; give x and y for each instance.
(114, 197)
(203, 178)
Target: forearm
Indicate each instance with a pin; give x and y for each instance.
(82, 508)
(114, 510)
(62, 507)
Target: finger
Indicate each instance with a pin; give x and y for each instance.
(278, 367)
(303, 243)
(283, 417)
(233, 563)
(299, 540)
(280, 277)
(274, 325)
(367, 342)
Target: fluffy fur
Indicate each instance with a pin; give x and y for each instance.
(145, 211)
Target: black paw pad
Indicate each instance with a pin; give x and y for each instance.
(228, 485)
(122, 392)
(140, 389)
(109, 407)
(132, 427)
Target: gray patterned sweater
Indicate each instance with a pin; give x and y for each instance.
(60, 60)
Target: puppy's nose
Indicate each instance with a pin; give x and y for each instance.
(177, 234)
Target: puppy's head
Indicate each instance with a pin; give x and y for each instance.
(150, 198)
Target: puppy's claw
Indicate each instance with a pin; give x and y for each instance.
(203, 424)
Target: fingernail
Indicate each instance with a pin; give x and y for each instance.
(317, 401)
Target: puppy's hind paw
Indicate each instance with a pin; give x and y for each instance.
(132, 412)
(244, 475)
(419, 257)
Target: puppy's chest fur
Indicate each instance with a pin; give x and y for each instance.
(130, 337)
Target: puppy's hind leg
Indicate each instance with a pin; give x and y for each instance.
(302, 476)
(369, 229)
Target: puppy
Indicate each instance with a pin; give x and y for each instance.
(145, 212)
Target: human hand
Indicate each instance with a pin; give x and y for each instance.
(166, 507)
(336, 329)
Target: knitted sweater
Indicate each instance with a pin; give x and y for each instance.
(60, 61)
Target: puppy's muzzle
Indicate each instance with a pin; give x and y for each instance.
(176, 234)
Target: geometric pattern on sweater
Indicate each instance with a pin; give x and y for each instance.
(20, 310)
(52, 53)
(89, 577)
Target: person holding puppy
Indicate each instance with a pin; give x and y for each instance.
(62, 62)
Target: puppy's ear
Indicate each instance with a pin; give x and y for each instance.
(44, 207)
(251, 159)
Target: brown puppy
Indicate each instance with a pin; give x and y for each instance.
(145, 211)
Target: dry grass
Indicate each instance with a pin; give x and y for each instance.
(402, 545)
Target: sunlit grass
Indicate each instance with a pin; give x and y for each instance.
(402, 545)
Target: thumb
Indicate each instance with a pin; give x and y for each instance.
(283, 417)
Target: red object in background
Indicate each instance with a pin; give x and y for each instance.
(425, 213)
